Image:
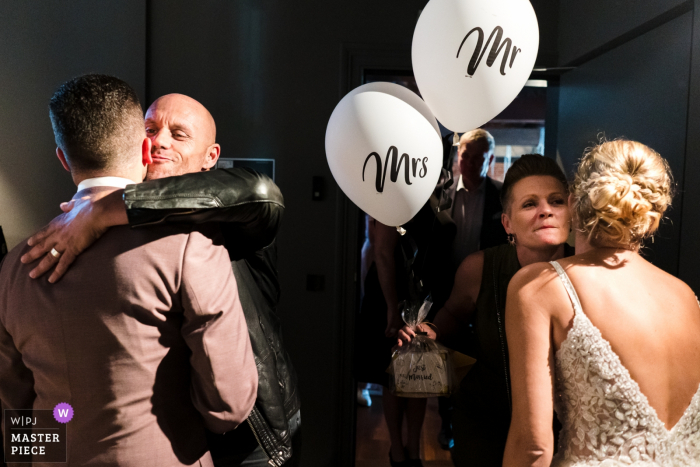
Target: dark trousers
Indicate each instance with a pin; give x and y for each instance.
(239, 448)
(445, 411)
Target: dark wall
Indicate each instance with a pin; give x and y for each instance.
(639, 91)
(547, 12)
(42, 44)
(638, 87)
(589, 25)
(689, 269)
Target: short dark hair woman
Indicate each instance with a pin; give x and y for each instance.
(537, 221)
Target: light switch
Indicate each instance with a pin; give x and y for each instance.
(318, 189)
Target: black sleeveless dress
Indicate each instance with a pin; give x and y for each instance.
(483, 403)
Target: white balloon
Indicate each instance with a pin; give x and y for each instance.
(471, 58)
(384, 149)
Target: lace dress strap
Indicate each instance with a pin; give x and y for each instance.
(569, 287)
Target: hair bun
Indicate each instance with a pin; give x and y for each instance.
(622, 189)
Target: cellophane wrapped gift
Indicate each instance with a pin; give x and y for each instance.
(423, 368)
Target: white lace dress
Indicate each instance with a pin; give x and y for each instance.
(606, 419)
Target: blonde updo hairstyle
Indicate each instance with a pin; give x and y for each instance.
(621, 190)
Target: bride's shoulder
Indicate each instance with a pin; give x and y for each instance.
(533, 276)
(657, 281)
(671, 285)
(536, 283)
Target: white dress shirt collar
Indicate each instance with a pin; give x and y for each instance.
(117, 182)
(460, 185)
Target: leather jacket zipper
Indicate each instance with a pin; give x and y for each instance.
(274, 460)
(271, 462)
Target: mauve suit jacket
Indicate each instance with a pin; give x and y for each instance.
(144, 337)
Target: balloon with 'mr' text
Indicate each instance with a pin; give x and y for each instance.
(384, 149)
(471, 58)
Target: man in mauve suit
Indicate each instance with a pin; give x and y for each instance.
(146, 339)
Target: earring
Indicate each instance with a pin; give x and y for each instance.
(511, 239)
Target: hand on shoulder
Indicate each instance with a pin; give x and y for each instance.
(83, 221)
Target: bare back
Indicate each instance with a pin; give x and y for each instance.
(651, 320)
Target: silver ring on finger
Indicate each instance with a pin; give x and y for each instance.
(55, 253)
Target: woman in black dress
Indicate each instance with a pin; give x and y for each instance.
(387, 283)
(537, 220)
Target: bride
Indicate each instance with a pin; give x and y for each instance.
(608, 339)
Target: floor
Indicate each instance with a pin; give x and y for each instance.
(372, 444)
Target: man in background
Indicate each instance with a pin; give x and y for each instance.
(146, 339)
(476, 212)
(476, 205)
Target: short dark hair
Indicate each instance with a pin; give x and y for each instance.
(526, 166)
(97, 120)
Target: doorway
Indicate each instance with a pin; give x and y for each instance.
(519, 129)
(372, 441)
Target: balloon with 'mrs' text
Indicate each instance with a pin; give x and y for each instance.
(384, 149)
(471, 58)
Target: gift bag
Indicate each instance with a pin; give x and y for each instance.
(423, 368)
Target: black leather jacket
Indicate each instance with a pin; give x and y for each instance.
(249, 208)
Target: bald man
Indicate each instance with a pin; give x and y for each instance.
(183, 133)
(248, 206)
